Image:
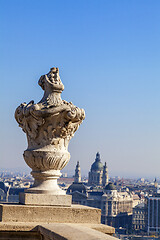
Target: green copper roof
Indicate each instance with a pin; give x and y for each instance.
(97, 165)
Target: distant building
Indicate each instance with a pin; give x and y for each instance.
(116, 207)
(13, 194)
(2, 195)
(2, 186)
(64, 175)
(77, 189)
(136, 200)
(9, 194)
(95, 198)
(98, 174)
(155, 183)
(139, 220)
(153, 214)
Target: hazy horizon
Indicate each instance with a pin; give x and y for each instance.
(108, 54)
(84, 173)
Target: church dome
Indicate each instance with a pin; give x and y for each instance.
(110, 186)
(80, 187)
(97, 165)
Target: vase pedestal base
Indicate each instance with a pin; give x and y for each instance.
(45, 199)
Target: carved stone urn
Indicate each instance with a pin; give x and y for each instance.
(49, 126)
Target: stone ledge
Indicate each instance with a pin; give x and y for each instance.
(68, 231)
(71, 232)
(45, 199)
(52, 222)
(49, 214)
(101, 228)
(18, 226)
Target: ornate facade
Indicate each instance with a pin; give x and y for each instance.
(116, 207)
(139, 220)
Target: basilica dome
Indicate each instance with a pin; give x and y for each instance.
(97, 165)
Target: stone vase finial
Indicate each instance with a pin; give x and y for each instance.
(49, 126)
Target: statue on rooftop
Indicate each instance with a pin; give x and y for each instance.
(49, 126)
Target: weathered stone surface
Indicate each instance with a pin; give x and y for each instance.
(49, 125)
(18, 226)
(101, 228)
(72, 232)
(21, 235)
(60, 230)
(49, 214)
(33, 226)
(43, 199)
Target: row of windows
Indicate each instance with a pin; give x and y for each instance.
(138, 227)
(138, 221)
(138, 216)
(138, 212)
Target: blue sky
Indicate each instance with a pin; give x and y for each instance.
(108, 53)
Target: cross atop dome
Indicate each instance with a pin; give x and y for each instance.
(98, 157)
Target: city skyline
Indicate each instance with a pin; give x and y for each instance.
(108, 55)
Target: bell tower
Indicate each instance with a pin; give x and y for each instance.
(77, 176)
(105, 175)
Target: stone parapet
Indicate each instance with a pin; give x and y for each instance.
(52, 223)
(56, 231)
(49, 214)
